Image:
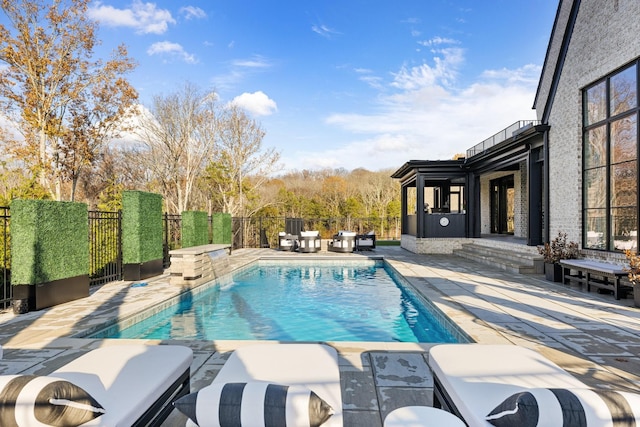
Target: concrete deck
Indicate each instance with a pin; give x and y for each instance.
(593, 336)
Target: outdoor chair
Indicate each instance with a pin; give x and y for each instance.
(287, 242)
(344, 241)
(117, 385)
(366, 242)
(305, 376)
(505, 385)
(309, 241)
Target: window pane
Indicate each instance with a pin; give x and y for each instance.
(623, 91)
(595, 188)
(624, 185)
(624, 228)
(596, 225)
(595, 104)
(595, 151)
(624, 139)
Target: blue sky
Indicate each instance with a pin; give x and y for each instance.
(345, 83)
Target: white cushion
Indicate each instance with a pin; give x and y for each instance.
(421, 416)
(539, 407)
(254, 404)
(346, 233)
(309, 233)
(31, 400)
(314, 366)
(477, 376)
(126, 379)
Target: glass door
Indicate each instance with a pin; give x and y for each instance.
(502, 205)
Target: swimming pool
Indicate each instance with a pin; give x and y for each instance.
(308, 301)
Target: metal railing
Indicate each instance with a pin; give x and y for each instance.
(518, 127)
(172, 236)
(105, 247)
(6, 292)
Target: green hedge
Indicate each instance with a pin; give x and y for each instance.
(221, 225)
(49, 241)
(195, 229)
(141, 227)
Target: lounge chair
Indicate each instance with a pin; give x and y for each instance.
(310, 366)
(309, 241)
(366, 242)
(495, 385)
(135, 384)
(344, 241)
(287, 242)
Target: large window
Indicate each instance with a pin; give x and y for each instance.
(610, 167)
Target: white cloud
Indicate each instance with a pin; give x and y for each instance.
(425, 114)
(238, 71)
(436, 41)
(144, 18)
(324, 31)
(172, 50)
(257, 103)
(193, 12)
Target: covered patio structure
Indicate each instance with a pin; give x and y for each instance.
(498, 189)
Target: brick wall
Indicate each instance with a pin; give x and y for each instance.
(605, 38)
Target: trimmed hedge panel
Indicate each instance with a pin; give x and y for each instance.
(49, 241)
(221, 225)
(141, 227)
(195, 229)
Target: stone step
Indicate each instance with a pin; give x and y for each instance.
(512, 258)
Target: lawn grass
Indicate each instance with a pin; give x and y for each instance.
(387, 242)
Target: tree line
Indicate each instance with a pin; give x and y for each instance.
(73, 128)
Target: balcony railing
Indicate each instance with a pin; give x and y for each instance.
(516, 128)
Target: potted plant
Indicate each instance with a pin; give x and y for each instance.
(634, 274)
(558, 249)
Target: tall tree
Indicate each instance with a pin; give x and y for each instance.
(241, 164)
(179, 134)
(48, 53)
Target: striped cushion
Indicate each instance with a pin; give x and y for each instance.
(568, 407)
(30, 400)
(254, 404)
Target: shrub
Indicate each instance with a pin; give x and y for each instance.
(558, 249)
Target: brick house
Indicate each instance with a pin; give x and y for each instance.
(573, 170)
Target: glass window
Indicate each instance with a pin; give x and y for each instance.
(596, 147)
(623, 91)
(595, 104)
(624, 139)
(595, 188)
(610, 175)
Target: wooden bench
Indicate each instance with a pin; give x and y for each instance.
(607, 276)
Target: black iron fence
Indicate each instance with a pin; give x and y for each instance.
(5, 292)
(105, 239)
(172, 236)
(105, 247)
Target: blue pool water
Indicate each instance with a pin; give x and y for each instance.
(308, 302)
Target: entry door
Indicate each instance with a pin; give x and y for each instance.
(502, 205)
